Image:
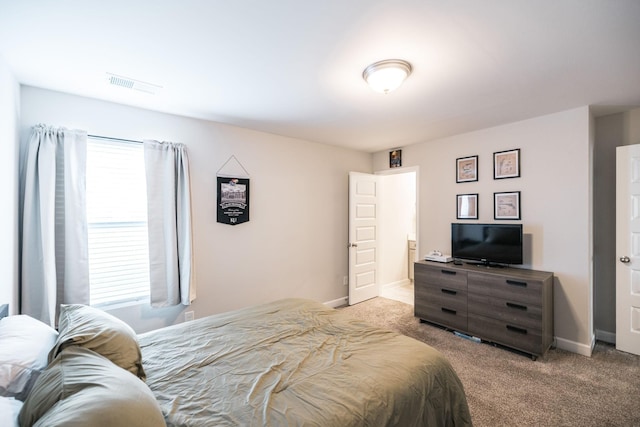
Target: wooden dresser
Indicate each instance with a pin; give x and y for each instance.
(508, 306)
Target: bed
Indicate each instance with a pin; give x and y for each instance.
(291, 362)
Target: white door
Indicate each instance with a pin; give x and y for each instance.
(628, 249)
(363, 236)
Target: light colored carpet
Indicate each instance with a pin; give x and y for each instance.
(508, 389)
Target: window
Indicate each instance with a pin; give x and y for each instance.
(117, 222)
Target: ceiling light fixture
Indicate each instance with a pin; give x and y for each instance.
(386, 76)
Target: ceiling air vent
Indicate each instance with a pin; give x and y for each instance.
(134, 84)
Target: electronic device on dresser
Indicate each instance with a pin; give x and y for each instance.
(436, 255)
(489, 244)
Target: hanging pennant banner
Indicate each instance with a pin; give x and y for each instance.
(233, 200)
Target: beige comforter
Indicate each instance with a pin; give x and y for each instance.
(296, 362)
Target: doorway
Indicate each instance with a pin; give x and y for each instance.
(628, 249)
(382, 234)
(398, 232)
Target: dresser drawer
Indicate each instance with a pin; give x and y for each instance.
(517, 313)
(441, 296)
(443, 276)
(510, 288)
(506, 333)
(442, 314)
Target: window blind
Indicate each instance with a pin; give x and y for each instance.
(117, 222)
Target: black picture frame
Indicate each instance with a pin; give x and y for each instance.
(506, 205)
(467, 206)
(467, 169)
(506, 164)
(395, 158)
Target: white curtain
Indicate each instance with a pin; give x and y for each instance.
(55, 260)
(170, 227)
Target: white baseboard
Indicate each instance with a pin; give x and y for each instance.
(337, 302)
(608, 337)
(576, 347)
(402, 282)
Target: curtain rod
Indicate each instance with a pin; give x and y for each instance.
(114, 139)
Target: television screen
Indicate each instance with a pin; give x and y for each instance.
(487, 243)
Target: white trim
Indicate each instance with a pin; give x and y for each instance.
(402, 282)
(606, 336)
(576, 347)
(403, 169)
(337, 302)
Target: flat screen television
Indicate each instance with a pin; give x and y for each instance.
(487, 243)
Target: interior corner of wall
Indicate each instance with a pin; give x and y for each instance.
(576, 347)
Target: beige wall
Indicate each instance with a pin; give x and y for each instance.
(9, 116)
(555, 203)
(295, 244)
(631, 127)
(295, 247)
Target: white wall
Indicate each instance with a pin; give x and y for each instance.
(555, 203)
(9, 116)
(295, 244)
(397, 204)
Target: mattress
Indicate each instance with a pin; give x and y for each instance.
(297, 362)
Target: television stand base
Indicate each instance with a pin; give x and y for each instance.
(487, 265)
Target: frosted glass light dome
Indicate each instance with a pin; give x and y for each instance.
(386, 76)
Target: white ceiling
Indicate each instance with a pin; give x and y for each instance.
(294, 67)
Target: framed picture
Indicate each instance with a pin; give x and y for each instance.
(467, 206)
(395, 158)
(506, 164)
(506, 205)
(467, 169)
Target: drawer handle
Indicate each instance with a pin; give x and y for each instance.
(447, 310)
(448, 291)
(517, 283)
(517, 306)
(516, 329)
(453, 273)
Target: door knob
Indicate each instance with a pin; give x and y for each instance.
(625, 259)
(352, 245)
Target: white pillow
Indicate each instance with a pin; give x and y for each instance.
(9, 409)
(26, 343)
